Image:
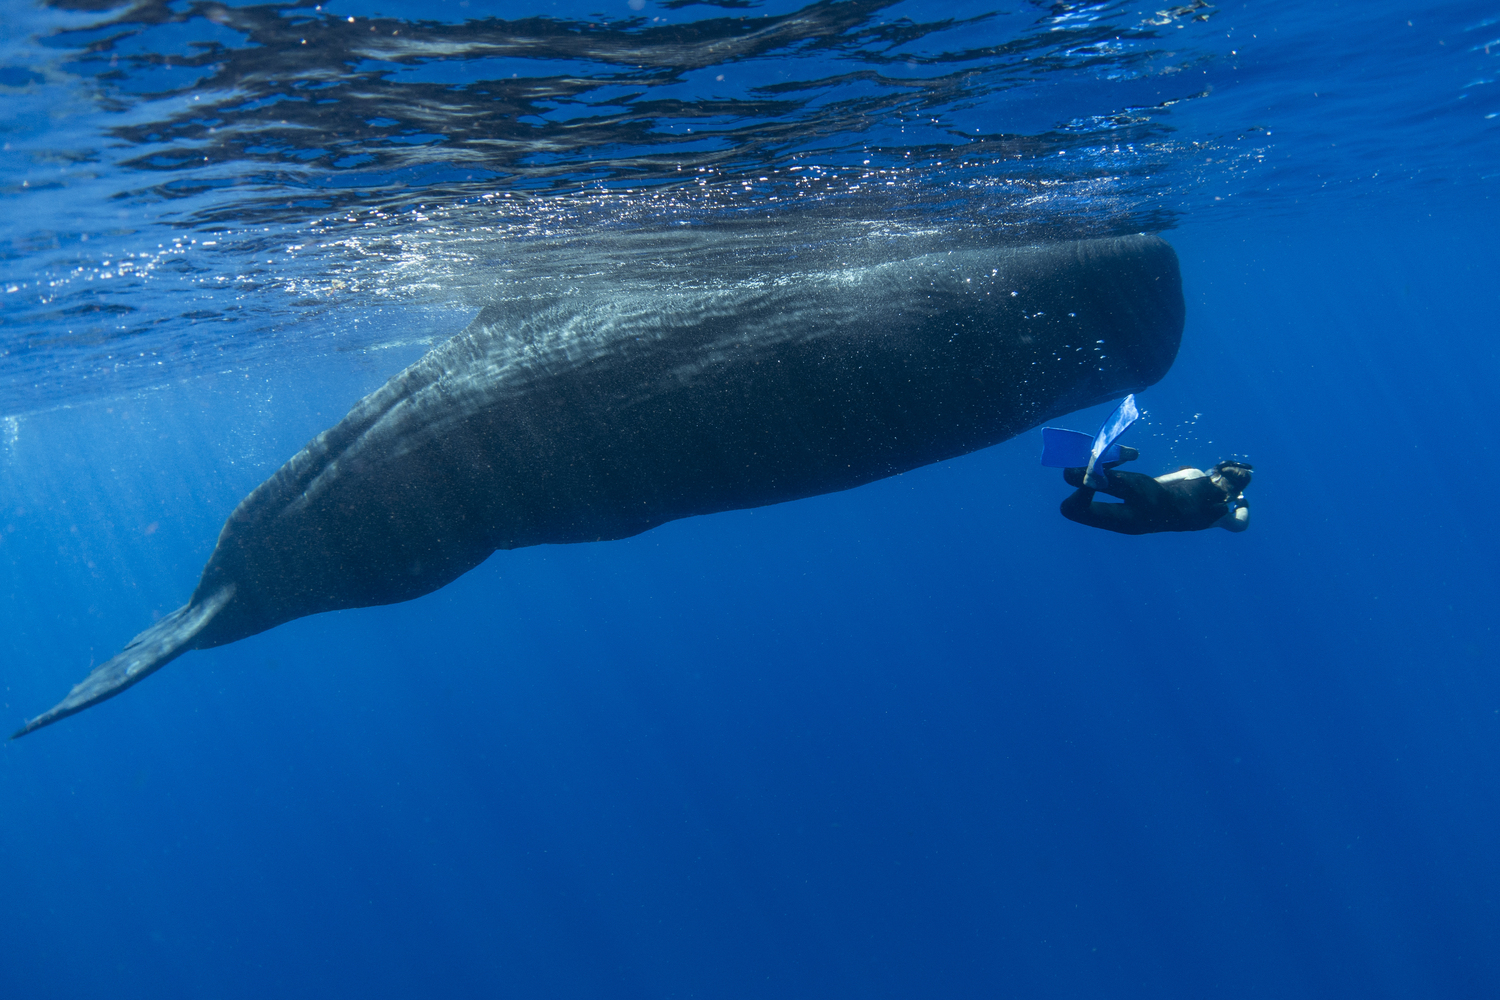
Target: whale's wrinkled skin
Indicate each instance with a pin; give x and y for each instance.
(592, 416)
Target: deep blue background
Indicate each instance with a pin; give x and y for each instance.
(925, 738)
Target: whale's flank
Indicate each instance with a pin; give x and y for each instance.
(608, 410)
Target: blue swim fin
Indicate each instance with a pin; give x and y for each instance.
(1118, 422)
(1064, 449)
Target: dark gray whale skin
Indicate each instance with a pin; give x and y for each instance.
(602, 412)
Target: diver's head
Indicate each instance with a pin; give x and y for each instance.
(1234, 476)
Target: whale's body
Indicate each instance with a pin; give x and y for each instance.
(590, 416)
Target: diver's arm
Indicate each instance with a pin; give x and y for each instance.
(1237, 519)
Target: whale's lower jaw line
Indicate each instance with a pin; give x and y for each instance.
(663, 405)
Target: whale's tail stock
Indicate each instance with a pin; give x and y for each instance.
(142, 656)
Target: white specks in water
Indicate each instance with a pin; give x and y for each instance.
(1182, 442)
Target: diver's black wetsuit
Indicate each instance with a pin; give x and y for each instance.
(1176, 505)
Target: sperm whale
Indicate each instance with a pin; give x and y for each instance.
(599, 412)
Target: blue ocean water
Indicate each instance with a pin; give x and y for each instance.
(924, 738)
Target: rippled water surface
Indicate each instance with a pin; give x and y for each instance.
(189, 185)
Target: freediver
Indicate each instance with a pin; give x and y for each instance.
(1185, 500)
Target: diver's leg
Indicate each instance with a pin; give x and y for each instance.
(1082, 508)
(1136, 489)
(1076, 506)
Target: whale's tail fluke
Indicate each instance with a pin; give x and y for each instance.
(144, 655)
